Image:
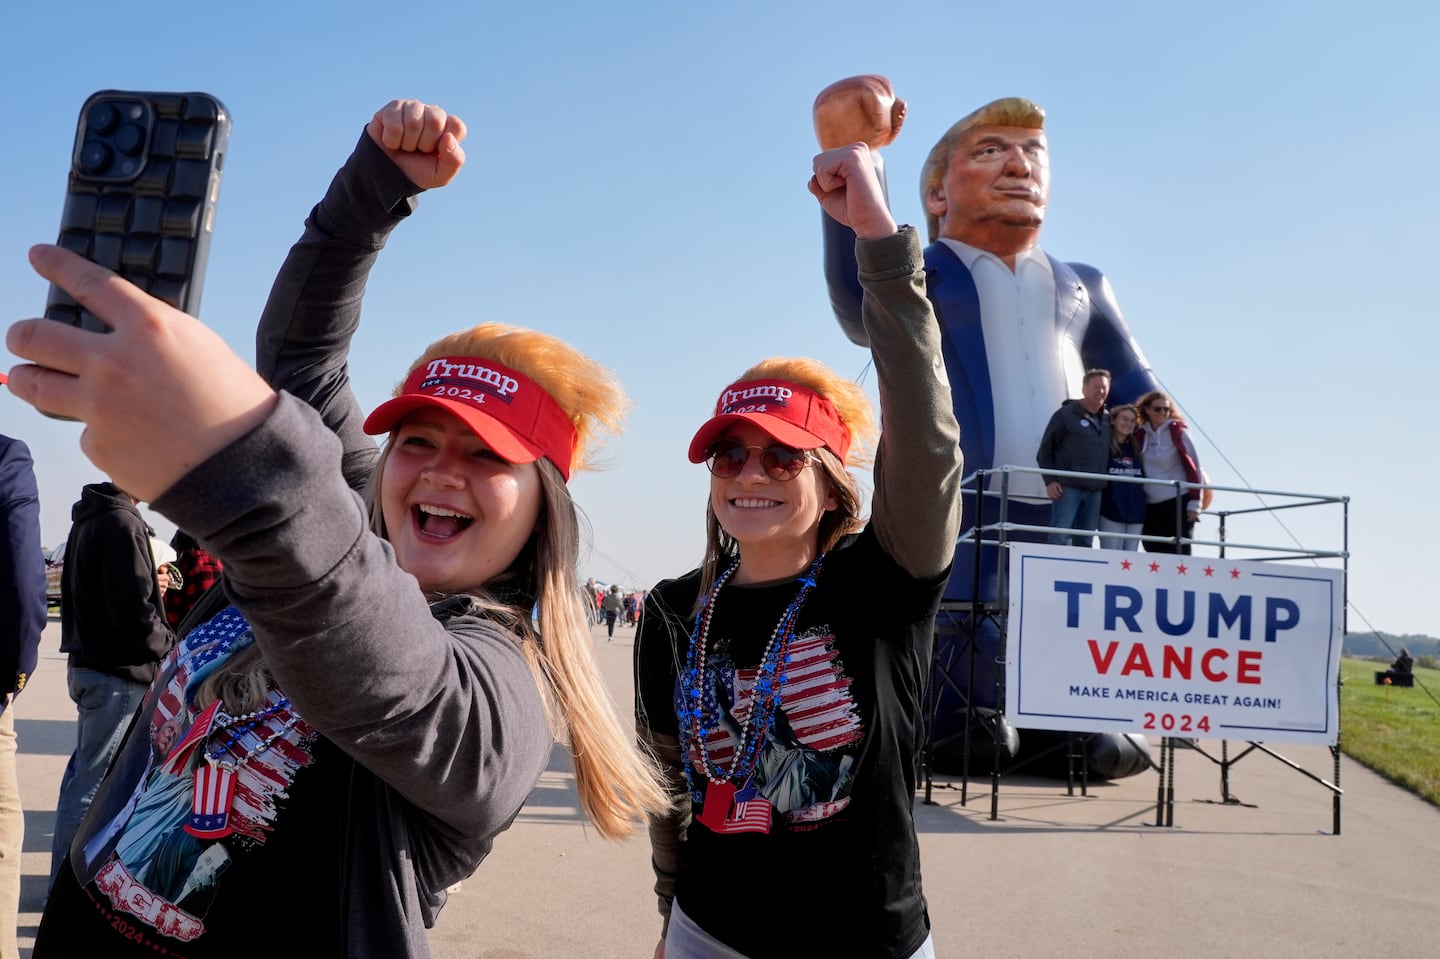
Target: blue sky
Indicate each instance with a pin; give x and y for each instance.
(1252, 177)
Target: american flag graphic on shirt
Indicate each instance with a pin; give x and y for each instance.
(230, 811)
(803, 772)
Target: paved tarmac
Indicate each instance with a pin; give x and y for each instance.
(1054, 875)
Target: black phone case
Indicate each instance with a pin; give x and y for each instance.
(144, 179)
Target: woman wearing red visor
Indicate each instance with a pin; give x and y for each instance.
(366, 703)
(781, 681)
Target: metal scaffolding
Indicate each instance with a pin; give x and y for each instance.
(960, 623)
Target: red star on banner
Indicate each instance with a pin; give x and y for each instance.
(1125, 565)
(1181, 569)
(1234, 574)
(1154, 567)
(1209, 570)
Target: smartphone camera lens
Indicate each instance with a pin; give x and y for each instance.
(129, 139)
(102, 118)
(117, 130)
(94, 158)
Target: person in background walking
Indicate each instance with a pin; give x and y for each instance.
(592, 601)
(613, 605)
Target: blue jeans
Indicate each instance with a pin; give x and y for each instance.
(1117, 542)
(1075, 509)
(105, 705)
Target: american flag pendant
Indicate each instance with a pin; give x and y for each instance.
(210, 807)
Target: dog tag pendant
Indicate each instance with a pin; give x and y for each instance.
(719, 797)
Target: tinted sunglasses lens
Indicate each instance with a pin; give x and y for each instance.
(782, 462)
(726, 458)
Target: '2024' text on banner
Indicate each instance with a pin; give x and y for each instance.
(1170, 645)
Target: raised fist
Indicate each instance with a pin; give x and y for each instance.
(422, 140)
(863, 109)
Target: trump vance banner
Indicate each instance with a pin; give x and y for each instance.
(1105, 640)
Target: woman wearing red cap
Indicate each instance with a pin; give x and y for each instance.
(366, 703)
(781, 681)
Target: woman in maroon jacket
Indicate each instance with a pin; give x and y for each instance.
(1169, 455)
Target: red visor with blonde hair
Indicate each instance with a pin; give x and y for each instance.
(793, 414)
(504, 407)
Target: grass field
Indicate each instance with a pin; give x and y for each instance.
(1394, 731)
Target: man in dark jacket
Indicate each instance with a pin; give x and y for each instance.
(113, 626)
(1077, 439)
(22, 621)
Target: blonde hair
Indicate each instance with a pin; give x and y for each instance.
(618, 785)
(855, 411)
(1005, 112)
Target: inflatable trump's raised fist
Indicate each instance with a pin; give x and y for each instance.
(863, 109)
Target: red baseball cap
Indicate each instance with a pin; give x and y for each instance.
(505, 408)
(793, 414)
(4, 378)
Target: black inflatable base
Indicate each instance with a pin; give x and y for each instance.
(1040, 752)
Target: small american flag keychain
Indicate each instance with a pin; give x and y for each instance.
(210, 807)
(215, 778)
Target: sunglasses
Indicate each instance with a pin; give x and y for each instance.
(1159, 409)
(726, 458)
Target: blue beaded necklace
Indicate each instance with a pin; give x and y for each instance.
(766, 696)
(236, 728)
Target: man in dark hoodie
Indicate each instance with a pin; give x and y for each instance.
(1077, 439)
(113, 626)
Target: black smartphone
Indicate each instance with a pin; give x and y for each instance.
(144, 179)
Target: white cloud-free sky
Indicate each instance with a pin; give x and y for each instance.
(1254, 179)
